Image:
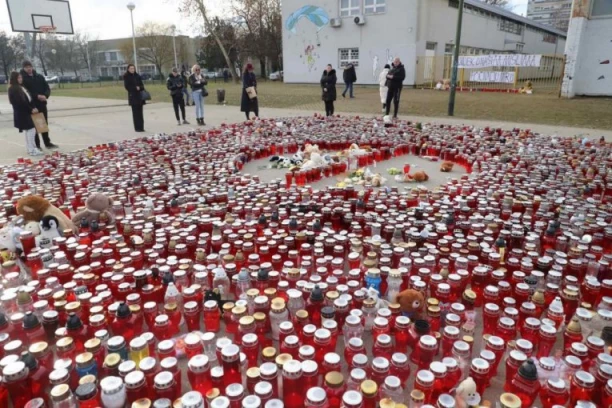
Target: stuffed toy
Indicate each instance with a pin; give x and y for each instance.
(280, 162)
(411, 302)
(97, 209)
(297, 159)
(34, 208)
(10, 247)
(420, 176)
(466, 394)
(447, 166)
(33, 227)
(49, 229)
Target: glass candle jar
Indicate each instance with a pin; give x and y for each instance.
(293, 392)
(113, 392)
(230, 357)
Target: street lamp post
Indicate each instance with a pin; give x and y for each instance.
(174, 45)
(131, 6)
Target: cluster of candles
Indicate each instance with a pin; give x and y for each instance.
(215, 289)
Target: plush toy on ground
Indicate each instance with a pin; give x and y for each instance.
(447, 166)
(34, 208)
(10, 247)
(49, 229)
(419, 177)
(466, 394)
(97, 209)
(411, 302)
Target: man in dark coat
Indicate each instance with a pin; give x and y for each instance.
(39, 90)
(395, 83)
(350, 77)
(328, 86)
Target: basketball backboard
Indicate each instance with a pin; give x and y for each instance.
(30, 15)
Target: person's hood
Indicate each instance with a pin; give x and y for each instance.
(333, 71)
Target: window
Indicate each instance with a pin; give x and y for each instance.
(103, 71)
(350, 8)
(549, 38)
(510, 26)
(449, 48)
(348, 56)
(112, 56)
(374, 6)
(601, 8)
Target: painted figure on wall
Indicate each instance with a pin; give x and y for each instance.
(310, 57)
(377, 67)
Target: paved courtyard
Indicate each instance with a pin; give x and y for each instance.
(77, 123)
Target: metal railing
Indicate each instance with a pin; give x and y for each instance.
(435, 73)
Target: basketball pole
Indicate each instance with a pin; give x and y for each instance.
(453, 90)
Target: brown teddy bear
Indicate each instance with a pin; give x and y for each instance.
(411, 302)
(35, 207)
(97, 209)
(420, 176)
(447, 166)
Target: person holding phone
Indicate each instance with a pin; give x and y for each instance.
(328, 86)
(176, 85)
(134, 85)
(198, 92)
(23, 108)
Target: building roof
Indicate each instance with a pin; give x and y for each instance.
(512, 16)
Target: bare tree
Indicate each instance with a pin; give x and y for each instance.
(260, 29)
(12, 51)
(87, 50)
(154, 45)
(499, 3)
(198, 7)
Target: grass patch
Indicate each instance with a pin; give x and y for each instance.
(537, 108)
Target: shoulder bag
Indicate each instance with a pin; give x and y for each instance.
(145, 95)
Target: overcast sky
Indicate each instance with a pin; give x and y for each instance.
(111, 18)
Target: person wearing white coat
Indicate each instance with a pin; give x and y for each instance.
(382, 81)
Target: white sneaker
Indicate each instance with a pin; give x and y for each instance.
(36, 152)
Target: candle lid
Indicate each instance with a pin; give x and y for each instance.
(528, 370)
(112, 360)
(263, 388)
(134, 379)
(509, 400)
(168, 363)
(192, 399)
(351, 398)
(309, 367)
(369, 388)
(584, 379)
(86, 391)
(15, 371)
(60, 392)
(39, 349)
(111, 385)
(163, 380)
(220, 402)
(480, 365)
(234, 390)
(317, 394)
(292, 367)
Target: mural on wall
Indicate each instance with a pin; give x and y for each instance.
(310, 56)
(377, 66)
(318, 17)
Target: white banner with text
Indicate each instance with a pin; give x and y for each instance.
(500, 60)
(492, 76)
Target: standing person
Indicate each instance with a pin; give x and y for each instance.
(185, 75)
(39, 90)
(225, 74)
(198, 91)
(23, 108)
(350, 77)
(382, 82)
(134, 86)
(328, 85)
(395, 83)
(176, 85)
(247, 104)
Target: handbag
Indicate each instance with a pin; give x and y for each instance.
(204, 92)
(40, 123)
(251, 92)
(145, 95)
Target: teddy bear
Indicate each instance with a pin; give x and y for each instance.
(420, 176)
(97, 209)
(411, 302)
(35, 207)
(447, 166)
(10, 247)
(466, 394)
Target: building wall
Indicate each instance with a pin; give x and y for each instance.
(551, 12)
(410, 29)
(309, 49)
(588, 69)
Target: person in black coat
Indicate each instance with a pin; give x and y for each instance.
(23, 108)
(350, 77)
(395, 83)
(134, 85)
(247, 104)
(39, 90)
(328, 86)
(176, 85)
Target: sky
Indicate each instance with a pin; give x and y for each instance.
(104, 19)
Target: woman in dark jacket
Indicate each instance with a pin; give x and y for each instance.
(198, 83)
(175, 85)
(134, 85)
(23, 108)
(328, 85)
(247, 104)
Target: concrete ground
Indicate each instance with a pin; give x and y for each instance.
(77, 123)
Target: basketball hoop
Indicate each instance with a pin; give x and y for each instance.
(47, 29)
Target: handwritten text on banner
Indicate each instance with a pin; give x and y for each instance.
(500, 60)
(492, 76)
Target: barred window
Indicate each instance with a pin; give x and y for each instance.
(348, 56)
(375, 6)
(510, 26)
(350, 8)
